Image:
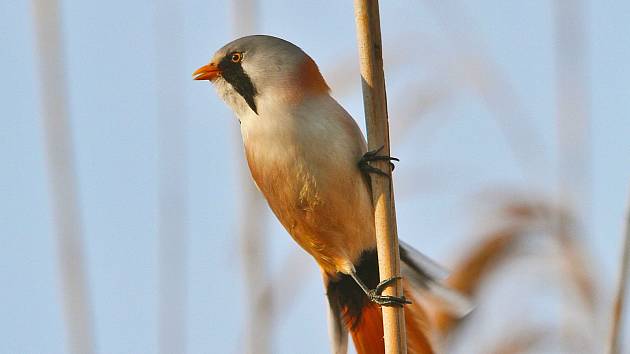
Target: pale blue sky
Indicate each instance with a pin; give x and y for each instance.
(454, 151)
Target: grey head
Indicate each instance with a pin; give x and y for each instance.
(248, 69)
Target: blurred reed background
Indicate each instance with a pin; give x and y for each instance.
(130, 225)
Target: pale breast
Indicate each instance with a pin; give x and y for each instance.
(306, 167)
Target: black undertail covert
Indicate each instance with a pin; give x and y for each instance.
(346, 295)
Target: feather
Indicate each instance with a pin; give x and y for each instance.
(426, 275)
(368, 334)
(337, 331)
(420, 262)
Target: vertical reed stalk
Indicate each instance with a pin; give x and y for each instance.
(375, 105)
(572, 114)
(62, 177)
(614, 343)
(172, 180)
(572, 105)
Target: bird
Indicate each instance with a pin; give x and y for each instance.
(309, 158)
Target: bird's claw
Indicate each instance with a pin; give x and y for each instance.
(376, 296)
(364, 162)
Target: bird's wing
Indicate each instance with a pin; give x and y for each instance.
(421, 263)
(337, 331)
(426, 275)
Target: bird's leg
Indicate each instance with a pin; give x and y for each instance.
(364, 162)
(375, 295)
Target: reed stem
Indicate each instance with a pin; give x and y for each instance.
(62, 177)
(375, 105)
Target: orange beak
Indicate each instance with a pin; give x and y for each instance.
(206, 72)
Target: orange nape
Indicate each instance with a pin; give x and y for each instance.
(310, 78)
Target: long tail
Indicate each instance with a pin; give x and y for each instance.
(367, 334)
(351, 310)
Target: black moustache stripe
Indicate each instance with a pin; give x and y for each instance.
(234, 74)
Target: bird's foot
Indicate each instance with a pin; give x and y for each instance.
(376, 296)
(364, 162)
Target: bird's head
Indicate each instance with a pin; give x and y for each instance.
(256, 69)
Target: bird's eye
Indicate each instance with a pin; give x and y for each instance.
(236, 57)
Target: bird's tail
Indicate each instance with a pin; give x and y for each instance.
(352, 311)
(422, 277)
(367, 335)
